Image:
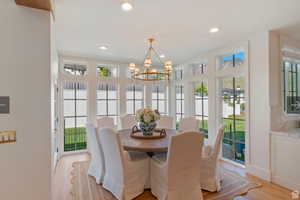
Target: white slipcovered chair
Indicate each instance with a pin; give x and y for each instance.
(105, 122)
(165, 122)
(96, 168)
(209, 171)
(189, 124)
(126, 175)
(176, 176)
(128, 121)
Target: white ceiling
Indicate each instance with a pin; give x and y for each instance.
(180, 26)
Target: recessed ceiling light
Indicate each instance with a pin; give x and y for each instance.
(162, 56)
(126, 6)
(103, 47)
(214, 30)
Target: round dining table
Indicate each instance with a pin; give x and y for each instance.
(146, 145)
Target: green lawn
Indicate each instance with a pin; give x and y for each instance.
(74, 139)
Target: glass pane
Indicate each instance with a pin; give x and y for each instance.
(69, 108)
(240, 131)
(70, 136)
(239, 59)
(112, 107)
(80, 122)
(112, 93)
(161, 95)
(129, 107)
(228, 129)
(129, 94)
(75, 69)
(228, 150)
(138, 94)
(81, 134)
(101, 93)
(205, 107)
(201, 89)
(104, 71)
(204, 125)
(81, 92)
(162, 108)
(154, 104)
(225, 62)
(81, 108)
(69, 94)
(227, 88)
(198, 107)
(179, 107)
(101, 107)
(69, 123)
(178, 117)
(240, 86)
(227, 108)
(138, 105)
(240, 152)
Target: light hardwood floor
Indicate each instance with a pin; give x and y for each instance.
(62, 183)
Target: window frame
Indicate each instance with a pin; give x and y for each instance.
(202, 99)
(134, 99)
(75, 117)
(106, 100)
(158, 100)
(181, 100)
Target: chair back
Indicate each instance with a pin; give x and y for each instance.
(105, 122)
(189, 124)
(95, 148)
(183, 159)
(128, 121)
(218, 143)
(165, 122)
(113, 154)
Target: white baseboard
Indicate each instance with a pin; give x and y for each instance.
(287, 183)
(259, 172)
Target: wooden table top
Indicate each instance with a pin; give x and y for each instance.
(145, 145)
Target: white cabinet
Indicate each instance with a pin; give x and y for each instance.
(285, 158)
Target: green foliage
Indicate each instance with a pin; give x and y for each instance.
(104, 72)
(75, 139)
(201, 90)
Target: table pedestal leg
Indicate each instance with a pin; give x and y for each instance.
(150, 154)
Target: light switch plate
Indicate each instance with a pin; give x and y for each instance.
(4, 105)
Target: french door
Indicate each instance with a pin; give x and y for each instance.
(233, 117)
(75, 115)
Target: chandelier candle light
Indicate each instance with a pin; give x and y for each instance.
(150, 73)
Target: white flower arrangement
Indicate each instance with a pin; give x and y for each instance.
(146, 115)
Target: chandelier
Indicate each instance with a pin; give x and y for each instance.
(151, 73)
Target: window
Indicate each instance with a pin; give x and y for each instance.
(135, 98)
(234, 60)
(107, 101)
(75, 69)
(178, 74)
(201, 105)
(179, 103)
(291, 72)
(233, 117)
(75, 116)
(198, 69)
(107, 71)
(160, 99)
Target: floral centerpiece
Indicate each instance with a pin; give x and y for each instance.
(146, 119)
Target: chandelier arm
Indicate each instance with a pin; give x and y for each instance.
(158, 56)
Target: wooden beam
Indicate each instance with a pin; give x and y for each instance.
(38, 4)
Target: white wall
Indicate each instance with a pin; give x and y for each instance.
(259, 149)
(25, 77)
